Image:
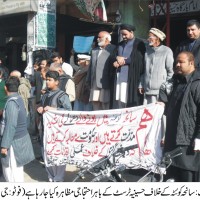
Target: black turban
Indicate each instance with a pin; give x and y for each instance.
(127, 27)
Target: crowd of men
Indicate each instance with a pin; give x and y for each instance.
(131, 73)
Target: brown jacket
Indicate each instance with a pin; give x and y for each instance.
(82, 89)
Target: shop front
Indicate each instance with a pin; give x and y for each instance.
(13, 31)
(26, 26)
(178, 12)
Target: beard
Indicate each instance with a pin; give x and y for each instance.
(101, 43)
(151, 44)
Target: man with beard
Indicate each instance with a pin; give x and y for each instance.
(192, 44)
(100, 72)
(129, 66)
(181, 95)
(158, 66)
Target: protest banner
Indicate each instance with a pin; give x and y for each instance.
(80, 137)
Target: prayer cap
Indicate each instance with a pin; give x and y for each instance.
(83, 56)
(158, 33)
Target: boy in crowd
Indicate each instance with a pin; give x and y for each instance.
(54, 99)
(43, 75)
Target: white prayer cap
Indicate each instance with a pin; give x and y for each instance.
(158, 33)
(83, 56)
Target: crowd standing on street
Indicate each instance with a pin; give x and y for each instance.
(131, 73)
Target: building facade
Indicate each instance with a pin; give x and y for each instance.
(36, 27)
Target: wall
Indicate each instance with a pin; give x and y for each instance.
(136, 12)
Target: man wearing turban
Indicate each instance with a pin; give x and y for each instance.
(129, 66)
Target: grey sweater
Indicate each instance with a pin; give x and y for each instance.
(158, 69)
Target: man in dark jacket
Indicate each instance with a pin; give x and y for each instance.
(191, 44)
(129, 66)
(183, 118)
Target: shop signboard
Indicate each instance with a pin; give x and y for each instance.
(46, 34)
(178, 7)
(17, 6)
(46, 24)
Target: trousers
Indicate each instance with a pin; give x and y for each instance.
(13, 173)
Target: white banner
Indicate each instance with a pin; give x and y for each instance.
(83, 137)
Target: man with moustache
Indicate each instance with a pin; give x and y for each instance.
(100, 72)
(129, 65)
(181, 96)
(191, 44)
(158, 66)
